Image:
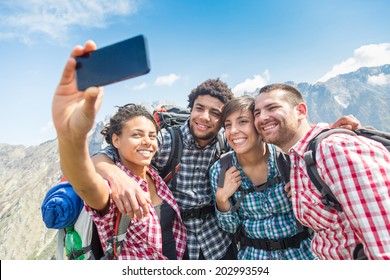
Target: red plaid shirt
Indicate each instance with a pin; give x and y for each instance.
(357, 170)
(143, 239)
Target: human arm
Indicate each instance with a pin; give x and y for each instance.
(73, 115)
(231, 183)
(126, 192)
(227, 220)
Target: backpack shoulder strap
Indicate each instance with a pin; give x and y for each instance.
(328, 198)
(114, 244)
(283, 163)
(173, 163)
(226, 163)
(221, 144)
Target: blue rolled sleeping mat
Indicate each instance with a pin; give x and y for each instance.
(61, 206)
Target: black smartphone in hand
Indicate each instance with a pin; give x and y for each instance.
(120, 61)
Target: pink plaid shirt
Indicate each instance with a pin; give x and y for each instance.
(143, 239)
(357, 170)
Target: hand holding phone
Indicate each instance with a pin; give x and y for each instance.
(120, 61)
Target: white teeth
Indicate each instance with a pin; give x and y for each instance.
(265, 128)
(144, 152)
(238, 141)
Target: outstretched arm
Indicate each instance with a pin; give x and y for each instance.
(73, 115)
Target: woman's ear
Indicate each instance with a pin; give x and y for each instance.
(115, 140)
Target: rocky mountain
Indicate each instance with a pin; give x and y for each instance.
(364, 94)
(25, 176)
(26, 173)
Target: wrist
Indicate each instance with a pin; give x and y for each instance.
(223, 203)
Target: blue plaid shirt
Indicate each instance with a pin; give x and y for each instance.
(263, 215)
(193, 190)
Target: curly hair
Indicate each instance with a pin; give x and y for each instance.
(125, 113)
(213, 87)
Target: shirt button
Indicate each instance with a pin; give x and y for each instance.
(295, 166)
(294, 192)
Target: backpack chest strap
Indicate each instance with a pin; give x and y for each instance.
(197, 213)
(259, 188)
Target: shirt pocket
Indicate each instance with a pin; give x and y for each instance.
(313, 211)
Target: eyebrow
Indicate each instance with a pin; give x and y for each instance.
(141, 130)
(212, 109)
(267, 106)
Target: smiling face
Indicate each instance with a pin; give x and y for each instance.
(240, 131)
(137, 143)
(275, 119)
(205, 119)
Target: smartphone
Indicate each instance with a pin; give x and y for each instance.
(120, 61)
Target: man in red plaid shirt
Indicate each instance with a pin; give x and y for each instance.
(356, 169)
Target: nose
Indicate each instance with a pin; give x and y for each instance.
(260, 117)
(205, 115)
(234, 129)
(146, 140)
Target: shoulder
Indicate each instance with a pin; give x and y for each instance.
(342, 146)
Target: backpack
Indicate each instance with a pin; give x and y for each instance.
(328, 198)
(59, 200)
(171, 115)
(172, 118)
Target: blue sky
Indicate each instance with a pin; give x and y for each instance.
(247, 43)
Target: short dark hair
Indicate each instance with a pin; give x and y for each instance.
(241, 103)
(213, 87)
(125, 113)
(293, 96)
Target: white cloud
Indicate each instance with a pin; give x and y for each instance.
(250, 85)
(167, 80)
(47, 128)
(365, 56)
(30, 20)
(380, 79)
(140, 86)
